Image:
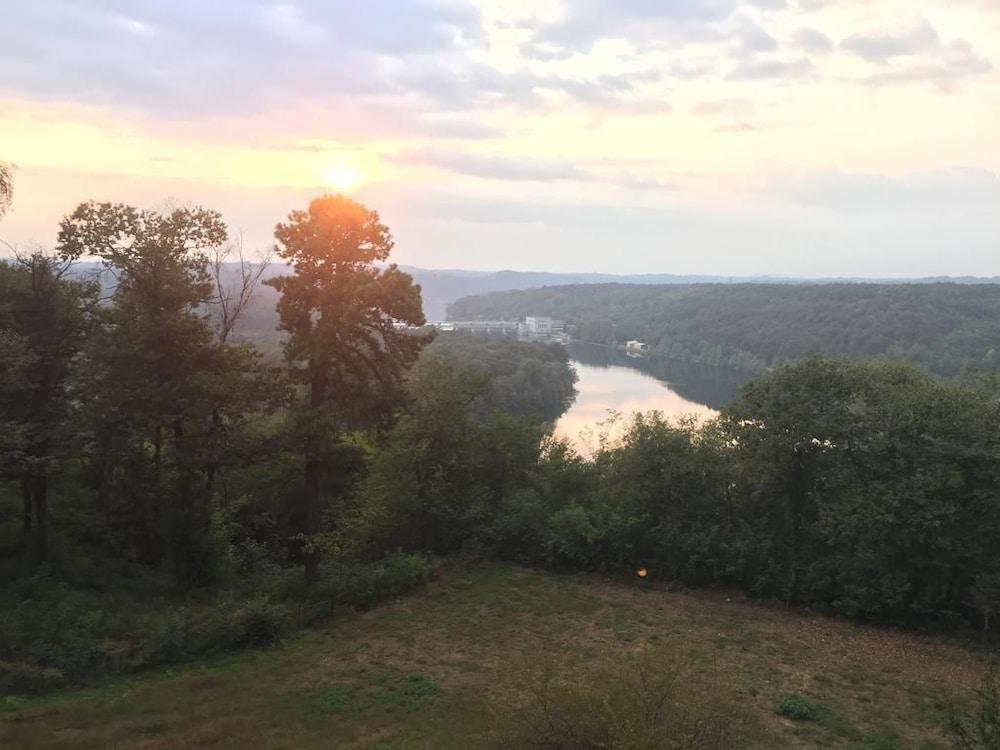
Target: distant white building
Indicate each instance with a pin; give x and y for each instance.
(636, 347)
(535, 327)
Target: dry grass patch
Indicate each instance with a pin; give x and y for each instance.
(428, 670)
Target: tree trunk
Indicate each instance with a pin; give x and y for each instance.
(314, 478)
(796, 509)
(158, 448)
(40, 509)
(26, 494)
(314, 493)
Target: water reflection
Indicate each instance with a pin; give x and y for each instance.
(610, 380)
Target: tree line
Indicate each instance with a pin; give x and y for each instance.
(151, 454)
(869, 490)
(140, 405)
(946, 328)
(149, 457)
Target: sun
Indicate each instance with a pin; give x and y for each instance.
(342, 178)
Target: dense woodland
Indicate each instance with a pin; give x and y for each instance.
(945, 327)
(167, 492)
(525, 379)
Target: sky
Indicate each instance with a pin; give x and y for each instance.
(793, 137)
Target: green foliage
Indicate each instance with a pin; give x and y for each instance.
(530, 379)
(947, 328)
(979, 727)
(363, 585)
(159, 484)
(986, 596)
(157, 481)
(367, 692)
(644, 703)
(52, 635)
(411, 692)
(798, 708)
(875, 483)
(867, 489)
(24, 679)
(442, 472)
(347, 357)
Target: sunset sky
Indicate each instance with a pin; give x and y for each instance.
(799, 137)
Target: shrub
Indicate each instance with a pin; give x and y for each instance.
(798, 708)
(52, 635)
(363, 585)
(21, 677)
(262, 623)
(412, 691)
(644, 703)
(978, 729)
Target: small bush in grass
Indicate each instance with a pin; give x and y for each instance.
(978, 728)
(798, 708)
(411, 691)
(363, 585)
(644, 702)
(363, 693)
(20, 677)
(341, 699)
(262, 623)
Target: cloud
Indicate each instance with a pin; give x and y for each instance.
(957, 61)
(649, 22)
(952, 189)
(416, 63)
(752, 38)
(917, 56)
(533, 170)
(736, 115)
(221, 56)
(492, 167)
(771, 68)
(727, 107)
(882, 47)
(813, 42)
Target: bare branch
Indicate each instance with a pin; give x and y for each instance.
(6, 186)
(233, 297)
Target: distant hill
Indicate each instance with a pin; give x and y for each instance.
(563, 295)
(442, 287)
(946, 327)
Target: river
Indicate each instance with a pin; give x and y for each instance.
(609, 380)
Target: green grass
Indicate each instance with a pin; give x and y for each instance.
(426, 671)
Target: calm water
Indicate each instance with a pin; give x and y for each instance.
(610, 380)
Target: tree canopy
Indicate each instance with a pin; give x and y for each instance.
(340, 311)
(946, 328)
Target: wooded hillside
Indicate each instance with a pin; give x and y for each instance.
(946, 328)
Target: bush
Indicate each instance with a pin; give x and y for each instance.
(645, 703)
(798, 708)
(363, 585)
(53, 635)
(978, 729)
(21, 677)
(261, 623)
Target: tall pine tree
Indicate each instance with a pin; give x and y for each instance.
(340, 310)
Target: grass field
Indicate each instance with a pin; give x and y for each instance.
(427, 671)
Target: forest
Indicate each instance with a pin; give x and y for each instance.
(169, 491)
(947, 328)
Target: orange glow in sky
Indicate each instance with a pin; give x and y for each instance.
(805, 137)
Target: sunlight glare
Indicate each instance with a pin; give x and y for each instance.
(343, 178)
